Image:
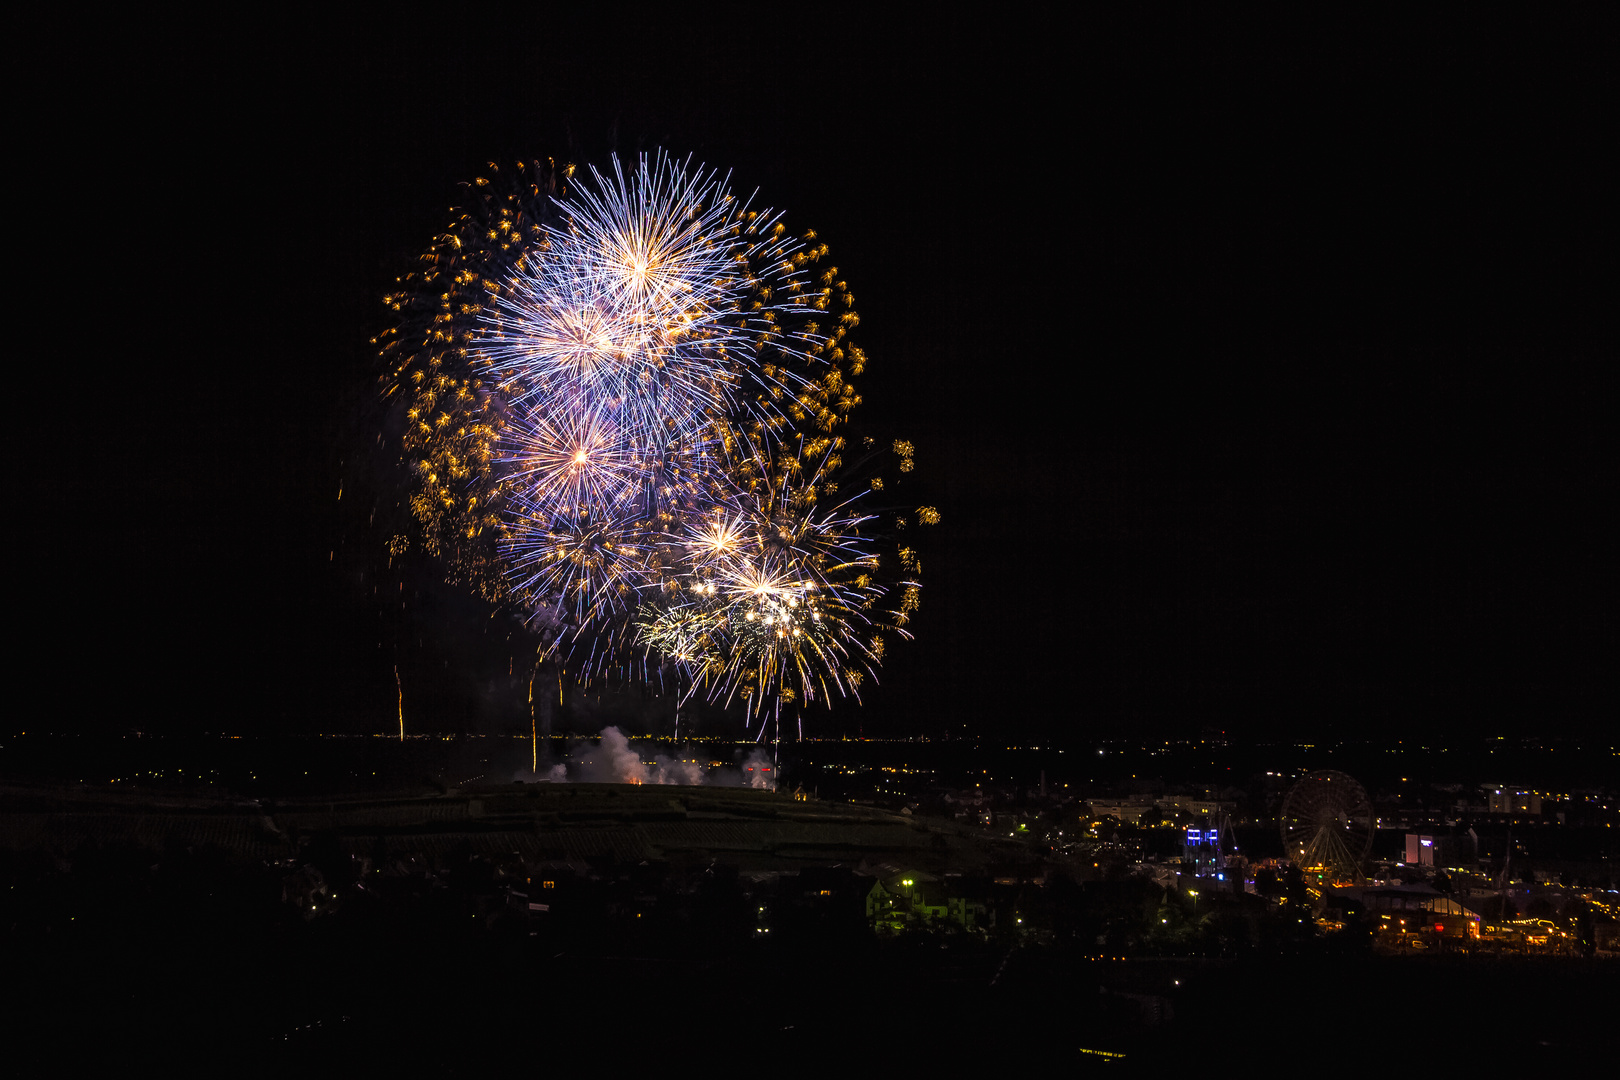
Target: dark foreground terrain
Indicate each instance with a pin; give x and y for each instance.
(411, 994)
(628, 928)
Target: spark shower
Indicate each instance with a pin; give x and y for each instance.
(626, 406)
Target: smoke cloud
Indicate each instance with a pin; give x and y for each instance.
(614, 761)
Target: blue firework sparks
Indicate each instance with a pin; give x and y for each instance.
(625, 413)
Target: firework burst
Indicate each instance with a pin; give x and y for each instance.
(625, 407)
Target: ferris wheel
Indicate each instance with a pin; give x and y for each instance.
(1327, 824)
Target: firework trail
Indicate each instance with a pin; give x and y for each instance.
(625, 406)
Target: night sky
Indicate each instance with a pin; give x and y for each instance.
(1263, 375)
